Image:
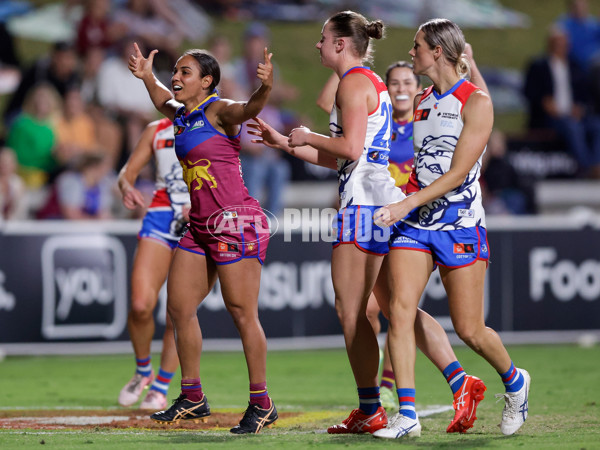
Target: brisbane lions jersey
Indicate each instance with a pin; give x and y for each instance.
(211, 169)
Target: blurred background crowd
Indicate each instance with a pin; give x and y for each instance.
(72, 112)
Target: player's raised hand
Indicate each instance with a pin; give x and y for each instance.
(141, 67)
(267, 134)
(265, 70)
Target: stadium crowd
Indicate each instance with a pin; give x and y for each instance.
(72, 117)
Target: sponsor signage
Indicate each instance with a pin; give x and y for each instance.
(67, 285)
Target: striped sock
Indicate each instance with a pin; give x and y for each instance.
(454, 375)
(259, 395)
(144, 367)
(387, 379)
(368, 400)
(192, 388)
(406, 399)
(512, 379)
(162, 380)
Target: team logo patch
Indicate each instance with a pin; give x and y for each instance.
(464, 248)
(250, 246)
(422, 114)
(177, 130)
(195, 173)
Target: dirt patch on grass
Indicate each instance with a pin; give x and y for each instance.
(114, 419)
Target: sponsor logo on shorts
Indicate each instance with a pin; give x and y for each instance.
(404, 240)
(228, 247)
(230, 214)
(464, 248)
(241, 219)
(466, 213)
(228, 250)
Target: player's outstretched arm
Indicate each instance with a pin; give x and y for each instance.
(236, 113)
(160, 95)
(268, 136)
(140, 156)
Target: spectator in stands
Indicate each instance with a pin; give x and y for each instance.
(583, 31)
(152, 23)
(59, 69)
(88, 191)
(12, 188)
(555, 89)
(504, 190)
(10, 73)
(33, 135)
(124, 97)
(220, 47)
(95, 28)
(75, 129)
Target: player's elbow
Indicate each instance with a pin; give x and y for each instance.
(354, 152)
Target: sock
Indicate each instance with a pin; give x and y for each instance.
(387, 379)
(192, 388)
(162, 380)
(144, 367)
(368, 400)
(406, 399)
(259, 395)
(455, 375)
(512, 379)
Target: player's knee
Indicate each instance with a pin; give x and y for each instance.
(141, 310)
(469, 335)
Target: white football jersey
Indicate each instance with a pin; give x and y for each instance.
(169, 174)
(367, 180)
(437, 126)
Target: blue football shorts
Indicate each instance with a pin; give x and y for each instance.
(354, 225)
(452, 248)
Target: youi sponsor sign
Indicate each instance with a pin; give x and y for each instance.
(84, 287)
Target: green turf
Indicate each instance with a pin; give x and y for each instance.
(564, 408)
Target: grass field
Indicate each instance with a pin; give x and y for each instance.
(312, 390)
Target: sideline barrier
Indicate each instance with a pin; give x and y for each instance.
(68, 282)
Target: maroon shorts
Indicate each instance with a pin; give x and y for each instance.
(227, 248)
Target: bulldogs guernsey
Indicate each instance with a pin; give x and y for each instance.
(437, 127)
(171, 193)
(367, 180)
(212, 172)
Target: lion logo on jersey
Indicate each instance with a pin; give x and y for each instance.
(198, 173)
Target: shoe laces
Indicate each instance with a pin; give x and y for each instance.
(350, 417)
(250, 415)
(181, 398)
(135, 382)
(152, 394)
(510, 405)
